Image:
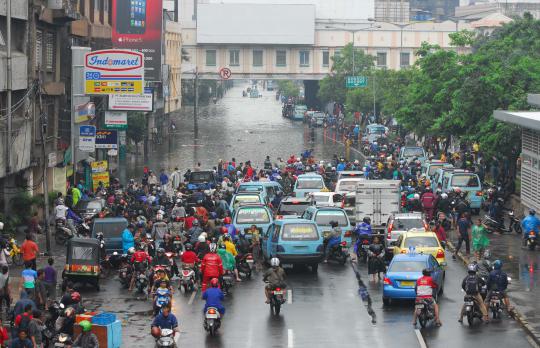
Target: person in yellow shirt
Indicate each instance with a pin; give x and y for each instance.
(229, 246)
(443, 157)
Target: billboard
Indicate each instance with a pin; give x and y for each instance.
(87, 138)
(113, 72)
(106, 139)
(138, 25)
(130, 102)
(116, 119)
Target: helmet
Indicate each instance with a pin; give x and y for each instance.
(201, 239)
(188, 246)
(214, 282)
(333, 223)
(274, 262)
(213, 247)
(497, 264)
(159, 217)
(227, 220)
(60, 201)
(487, 254)
(86, 325)
(472, 267)
(426, 272)
(531, 212)
(204, 234)
(223, 230)
(156, 331)
(444, 195)
(160, 251)
(416, 196)
(75, 296)
(227, 236)
(131, 250)
(195, 222)
(367, 220)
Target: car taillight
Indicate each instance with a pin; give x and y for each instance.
(278, 289)
(403, 251)
(426, 227)
(389, 233)
(348, 233)
(532, 233)
(365, 242)
(440, 254)
(211, 311)
(279, 217)
(387, 281)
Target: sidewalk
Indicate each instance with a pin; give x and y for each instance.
(523, 266)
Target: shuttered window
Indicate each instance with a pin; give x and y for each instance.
(49, 50)
(530, 168)
(39, 49)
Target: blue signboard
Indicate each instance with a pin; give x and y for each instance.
(106, 139)
(87, 138)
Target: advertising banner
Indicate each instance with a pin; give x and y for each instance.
(100, 177)
(138, 25)
(131, 102)
(106, 139)
(99, 166)
(113, 72)
(116, 119)
(85, 112)
(87, 138)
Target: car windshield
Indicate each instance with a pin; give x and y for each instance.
(110, 229)
(407, 266)
(249, 188)
(82, 253)
(433, 168)
(421, 242)
(377, 130)
(93, 205)
(309, 183)
(288, 208)
(324, 217)
(413, 152)
(246, 199)
(299, 232)
(347, 185)
(253, 215)
(464, 180)
(201, 177)
(408, 224)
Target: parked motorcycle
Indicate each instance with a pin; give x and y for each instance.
(339, 252)
(493, 225)
(425, 311)
(212, 320)
(515, 224)
(472, 310)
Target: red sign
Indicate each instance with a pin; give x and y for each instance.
(225, 73)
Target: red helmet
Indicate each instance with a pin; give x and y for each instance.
(156, 331)
(214, 282)
(227, 220)
(75, 296)
(224, 230)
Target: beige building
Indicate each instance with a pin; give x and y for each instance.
(173, 62)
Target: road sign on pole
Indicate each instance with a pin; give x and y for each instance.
(225, 73)
(356, 81)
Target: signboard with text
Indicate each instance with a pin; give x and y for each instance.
(85, 112)
(116, 119)
(113, 72)
(102, 177)
(356, 81)
(132, 102)
(99, 166)
(106, 139)
(87, 138)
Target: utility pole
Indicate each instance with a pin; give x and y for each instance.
(73, 149)
(353, 55)
(196, 104)
(9, 87)
(44, 123)
(374, 98)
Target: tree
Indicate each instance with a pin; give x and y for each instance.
(288, 88)
(136, 128)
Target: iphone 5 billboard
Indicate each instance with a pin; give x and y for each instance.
(138, 26)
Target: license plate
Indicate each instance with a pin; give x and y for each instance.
(177, 242)
(407, 283)
(211, 316)
(419, 306)
(495, 301)
(278, 292)
(365, 246)
(468, 303)
(344, 249)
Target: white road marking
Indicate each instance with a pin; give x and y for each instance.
(192, 297)
(290, 338)
(420, 338)
(289, 296)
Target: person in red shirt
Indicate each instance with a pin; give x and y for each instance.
(428, 203)
(439, 231)
(27, 314)
(3, 334)
(140, 261)
(424, 291)
(189, 258)
(211, 266)
(29, 250)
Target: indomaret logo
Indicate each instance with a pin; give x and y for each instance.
(114, 60)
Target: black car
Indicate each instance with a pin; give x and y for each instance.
(89, 208)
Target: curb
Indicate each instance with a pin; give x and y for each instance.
(518, 317)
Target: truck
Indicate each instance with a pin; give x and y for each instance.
(377, 199)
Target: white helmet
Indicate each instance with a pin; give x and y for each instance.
(444, 195)
(201, 239)
(416, 196)
(159, 217)
(274, 262)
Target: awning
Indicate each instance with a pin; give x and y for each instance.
(527, 119)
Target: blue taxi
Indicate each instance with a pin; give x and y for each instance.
(308, 183)
(249, 214)
(322, 217)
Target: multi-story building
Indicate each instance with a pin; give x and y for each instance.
(510, 8)
(172, 86)
(393, 11)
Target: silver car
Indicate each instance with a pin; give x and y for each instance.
(401, 223)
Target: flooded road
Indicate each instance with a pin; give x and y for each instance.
(240, 127)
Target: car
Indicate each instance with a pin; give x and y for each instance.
(292, 207)
(403, 272)
(350, 174)
(202, 180)
(318, 118)
(429, 168)
(420, 242)
(248, 214)
(88, 208)
(373, 132)
(409, 153)
(112, 229)
(466, 182)
(439, 176)
(307, 183)
(268, 189)
(293, 242)
(326, 199)
(245, 197)
(322, 217)
(299, 111)
(403, 222)
(347, 185)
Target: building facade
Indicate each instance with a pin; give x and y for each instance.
(173, 61)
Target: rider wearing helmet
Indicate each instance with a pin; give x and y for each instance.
(161, 259)
(275, 277)
(530, 223)
(333, 239)
(425, 285)
(214, 296)
(228, 260)
(498, 281)
(227, 223)
(472, 284)
(86, 338)
(201, 247)
(211, 266)
(189, 257)
(362, 231)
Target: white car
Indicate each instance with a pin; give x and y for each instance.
(326, 199)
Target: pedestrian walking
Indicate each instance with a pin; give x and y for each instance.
(480, 240)
(35, 328)
(30, 250)
(29, 277)
(463, 225)
(163, 180)
(40, 291)
(50, 280)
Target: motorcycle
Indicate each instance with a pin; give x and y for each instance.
(227, 282)
(141, 282)
(276, 300)
(15, 254)
(62, 232)
(166, 339)
(212, 320)
(178, 245)
(187, 279)
(425, 311)
(492, 225)
(161, 299)
(339, 252)
(243, 265)
(49, 331)
(531, 240)
(496, 304)
(472, 310)
(124, 274)
(62, 340)
(515, 224)
(362, 248)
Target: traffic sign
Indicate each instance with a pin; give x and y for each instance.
(87, 138)
(356, 81)
(225, 73)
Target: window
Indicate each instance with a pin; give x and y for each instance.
(299, 232)
(304, 58)
(257, 58)
(234, 57)
(210, 57)
(337, 53)
(255, 215)
(49, 50)
(404, 59)
(39, 48)
(381, 58)
(324, 217)
(281, 58)
(421, 242)
(309, 183)
(325, 58)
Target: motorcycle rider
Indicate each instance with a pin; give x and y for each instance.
(496, 211)
(362, 231)
(275, 276)
(162, 292)
(140, 261)
(472, 284)
(195, 231)
(201, 247)
(211, 266)
(424, 290)
(159, 230)
(267, 163)
(228, 260)
(428, 203)
(86, 339)
(376, 254)
(498, 281)
(530, 223)
(127, 238)
(213, 297)
(165, 320)
(333, 239)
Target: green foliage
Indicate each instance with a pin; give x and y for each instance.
(462, 38)
(21, 206)
(136, 126)
(288, 88)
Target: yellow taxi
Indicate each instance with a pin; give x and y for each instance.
(420, 243)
